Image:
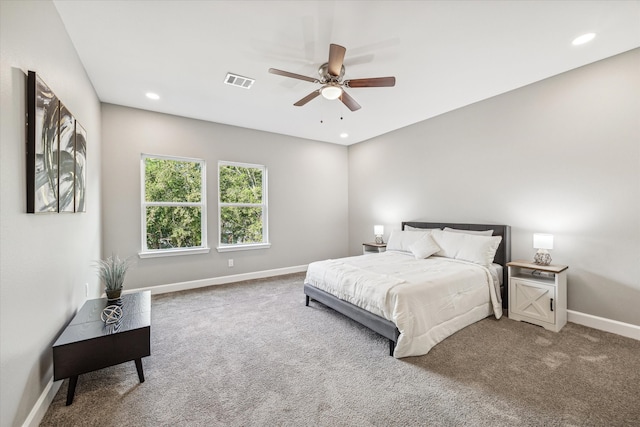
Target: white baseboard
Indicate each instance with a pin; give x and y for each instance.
(625, 329)
(42, 404)
(194, 284)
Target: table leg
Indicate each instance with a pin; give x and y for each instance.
(72, 389)
(139, 368)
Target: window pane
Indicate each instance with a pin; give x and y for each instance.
(240, 225)
(172, 181)
(173, 227)
(240, 185)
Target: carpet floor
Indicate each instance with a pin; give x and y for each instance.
(252, 354)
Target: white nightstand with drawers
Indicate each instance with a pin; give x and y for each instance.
(538, 294)
(373, 248)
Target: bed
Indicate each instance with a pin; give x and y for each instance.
(413, 300)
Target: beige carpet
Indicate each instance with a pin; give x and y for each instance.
(252, 354)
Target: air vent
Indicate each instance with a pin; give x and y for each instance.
(239, 81)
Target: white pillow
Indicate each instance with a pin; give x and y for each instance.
(410, 228)
(424, 247)
(467, 247)
(477, 233)
(402, 240)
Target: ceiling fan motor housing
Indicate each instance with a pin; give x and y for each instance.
(326, 77)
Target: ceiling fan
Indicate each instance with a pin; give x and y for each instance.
(331, 74)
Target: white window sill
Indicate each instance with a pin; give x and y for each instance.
(249, 247)
(173, 252)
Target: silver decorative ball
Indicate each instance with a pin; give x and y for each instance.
(111, 314)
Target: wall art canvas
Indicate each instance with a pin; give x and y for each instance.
(42, 150)
(66, 160)
(80, 173)
(56, 153)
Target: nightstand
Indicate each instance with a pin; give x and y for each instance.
(538, 294)
(373, 248)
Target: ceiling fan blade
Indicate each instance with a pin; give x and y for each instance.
(307, 98)
(336, 58)
(293, 75)
(349, 101)
(371, 82)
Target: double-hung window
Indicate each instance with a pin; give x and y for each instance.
(174, 214)
(242, 206)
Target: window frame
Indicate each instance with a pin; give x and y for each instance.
(264, 206)
(145, 252)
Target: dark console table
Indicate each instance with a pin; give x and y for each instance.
(88, 344)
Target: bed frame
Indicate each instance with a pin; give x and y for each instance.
(387, 328)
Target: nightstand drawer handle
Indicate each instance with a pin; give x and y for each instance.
(551, 304)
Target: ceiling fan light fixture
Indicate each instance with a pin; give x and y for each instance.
(331, 92)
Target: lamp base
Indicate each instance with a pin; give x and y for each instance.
(379, 240)
(542, 257)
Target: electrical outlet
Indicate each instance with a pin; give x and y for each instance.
(230, 262)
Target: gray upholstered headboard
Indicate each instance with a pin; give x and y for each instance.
(503, 254)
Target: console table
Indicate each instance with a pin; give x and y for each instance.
(88, 344)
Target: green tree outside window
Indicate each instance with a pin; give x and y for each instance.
(242, 204)
(174, 203)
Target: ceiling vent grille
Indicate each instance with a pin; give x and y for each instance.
(239, 81)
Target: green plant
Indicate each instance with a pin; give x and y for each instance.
(112, 271)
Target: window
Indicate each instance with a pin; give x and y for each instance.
(174, 220)
(242, 206)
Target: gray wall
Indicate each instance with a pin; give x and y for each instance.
(45, 259)
(307, 193)
(560, 156)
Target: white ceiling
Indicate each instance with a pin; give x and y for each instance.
(444, 55)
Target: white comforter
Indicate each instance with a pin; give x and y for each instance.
(427, 299)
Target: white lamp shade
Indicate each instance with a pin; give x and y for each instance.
(378, 230)
(543, 241)
(331, 92)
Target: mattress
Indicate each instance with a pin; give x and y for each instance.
(427, 299)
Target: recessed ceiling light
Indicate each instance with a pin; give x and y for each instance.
(344, 135)
(153, 96)
(585, 38)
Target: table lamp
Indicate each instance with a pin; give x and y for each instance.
(542, 242)
(378, 230)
